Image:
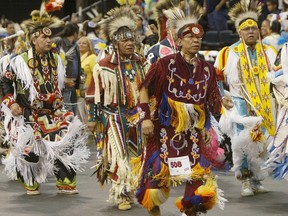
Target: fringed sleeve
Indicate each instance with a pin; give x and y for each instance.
(154, 79)
(214, 96)
(97, 85)
(23, 74)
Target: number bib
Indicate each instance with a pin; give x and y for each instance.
(179, 166)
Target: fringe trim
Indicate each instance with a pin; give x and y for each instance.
(155, 197)
(48, 152)
(164, 178)
(23, 73)
(61, 73)
(243, 144)
(183, 116)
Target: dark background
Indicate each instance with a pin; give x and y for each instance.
(19, 10)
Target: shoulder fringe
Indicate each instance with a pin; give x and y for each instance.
(4, 62)
(23, 73)
(109, 85)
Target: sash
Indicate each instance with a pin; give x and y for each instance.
(260, 100)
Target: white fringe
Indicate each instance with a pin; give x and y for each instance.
(242, 144)
(117, 159)
(23, 73)
(4, 62)
(70, 150)
(96, 74)
(109, 84)
(220, 200)
(61, 73)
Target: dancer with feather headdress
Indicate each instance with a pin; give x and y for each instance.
(244, 67)
(44, 138)
(178, 131)
(117, 79)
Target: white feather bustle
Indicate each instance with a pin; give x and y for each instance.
(242, 144)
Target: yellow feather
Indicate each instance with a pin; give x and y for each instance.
(121, 2)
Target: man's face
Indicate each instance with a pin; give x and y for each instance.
(250, 35)
(265, 28)
(10, 28)
(126, 47)
(190, 44)
(42, 43)
(271, 7)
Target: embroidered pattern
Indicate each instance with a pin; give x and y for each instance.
(200, 84)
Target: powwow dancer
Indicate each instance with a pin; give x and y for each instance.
(244, 67)
(117, 79)
(43, 137)
(186, 92)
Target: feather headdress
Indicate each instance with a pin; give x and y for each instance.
(184, 14)
(117, 18)
(161, 18)
(243, 10)
(41, 18)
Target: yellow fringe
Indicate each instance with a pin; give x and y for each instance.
(133, 119)
(208, 189)
(202, 116)
(151, 197)
(163, 176)
(223, 56)
(180, 118)
(198, 172)
(136, 164)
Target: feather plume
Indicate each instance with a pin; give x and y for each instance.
(160, 17)
(243, 10)
(184, 14)
(41, 18)
(117, 18)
